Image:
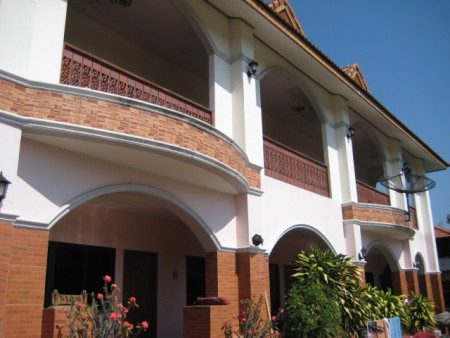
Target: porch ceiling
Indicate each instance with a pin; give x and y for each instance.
(145, 22)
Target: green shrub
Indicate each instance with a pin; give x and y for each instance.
(341, 277)
(419, 314)
(311, 311)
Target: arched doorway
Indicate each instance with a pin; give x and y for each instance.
(145, 242)
(379, 268)
(281, 259)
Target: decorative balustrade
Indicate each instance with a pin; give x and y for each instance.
(367, 194)
(413, 216)
(291, 167)
(80, 69)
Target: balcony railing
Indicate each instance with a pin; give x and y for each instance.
(291, 167)
(81, 69)
(367, 194)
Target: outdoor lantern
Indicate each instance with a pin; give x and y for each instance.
(257, 240)
(3, 186)
(252, 68)
(350, 132)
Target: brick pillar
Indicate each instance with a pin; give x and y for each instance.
(221, 281)
(399, 283)
(25, 286)
(253, 271)
(412, 281)
(437, 295)
(233, 276)
(6, 236)
(362, 272)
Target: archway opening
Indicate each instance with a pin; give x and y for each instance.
(379, 268)
(143, 243)
(282, 257)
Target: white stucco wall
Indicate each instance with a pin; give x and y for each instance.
(285, 206)
(33, 32)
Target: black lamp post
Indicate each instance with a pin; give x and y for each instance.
(3, 186)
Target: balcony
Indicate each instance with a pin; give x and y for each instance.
(289, 166)
(81, 69)
(367, 194)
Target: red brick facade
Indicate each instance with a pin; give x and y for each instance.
(233, 276)
(23, 267)
(96, 113)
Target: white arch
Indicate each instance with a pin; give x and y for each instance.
(302, 227)
(387, 252)
(189, 216)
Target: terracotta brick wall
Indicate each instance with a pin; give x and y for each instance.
(25, 282)
(54, 323)
(437, 295)
(97, 113)
(375, 214)
(412, 281)
(6, 238)
(233, 276)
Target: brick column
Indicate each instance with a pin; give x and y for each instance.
(437, 294)
(233, 276)
(221, 281)
(6, 236)
(362, 272)
(399, 283)
(25, 286)
(253, 271)
(412, 281)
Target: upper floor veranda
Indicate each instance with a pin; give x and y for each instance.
(187, 62)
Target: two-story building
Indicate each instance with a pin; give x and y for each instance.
(151, 140)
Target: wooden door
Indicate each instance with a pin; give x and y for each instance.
(140, 281)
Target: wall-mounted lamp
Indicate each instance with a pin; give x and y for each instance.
(362, 254)
(122, 3)
(350, 132)
(3, 186)
(252, 68)
(257, 240)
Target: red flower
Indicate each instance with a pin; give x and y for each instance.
(145, 325)
(99, 296)
(112, 316)
(119, 305)
(107, 279)
(132, 300)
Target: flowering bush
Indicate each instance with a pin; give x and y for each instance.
(105, 317)
(253, 323)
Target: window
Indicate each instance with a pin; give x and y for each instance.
(72, 268)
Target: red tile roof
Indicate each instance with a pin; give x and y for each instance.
(441, 232)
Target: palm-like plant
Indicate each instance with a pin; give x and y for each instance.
(420, 313)
(342, 278)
